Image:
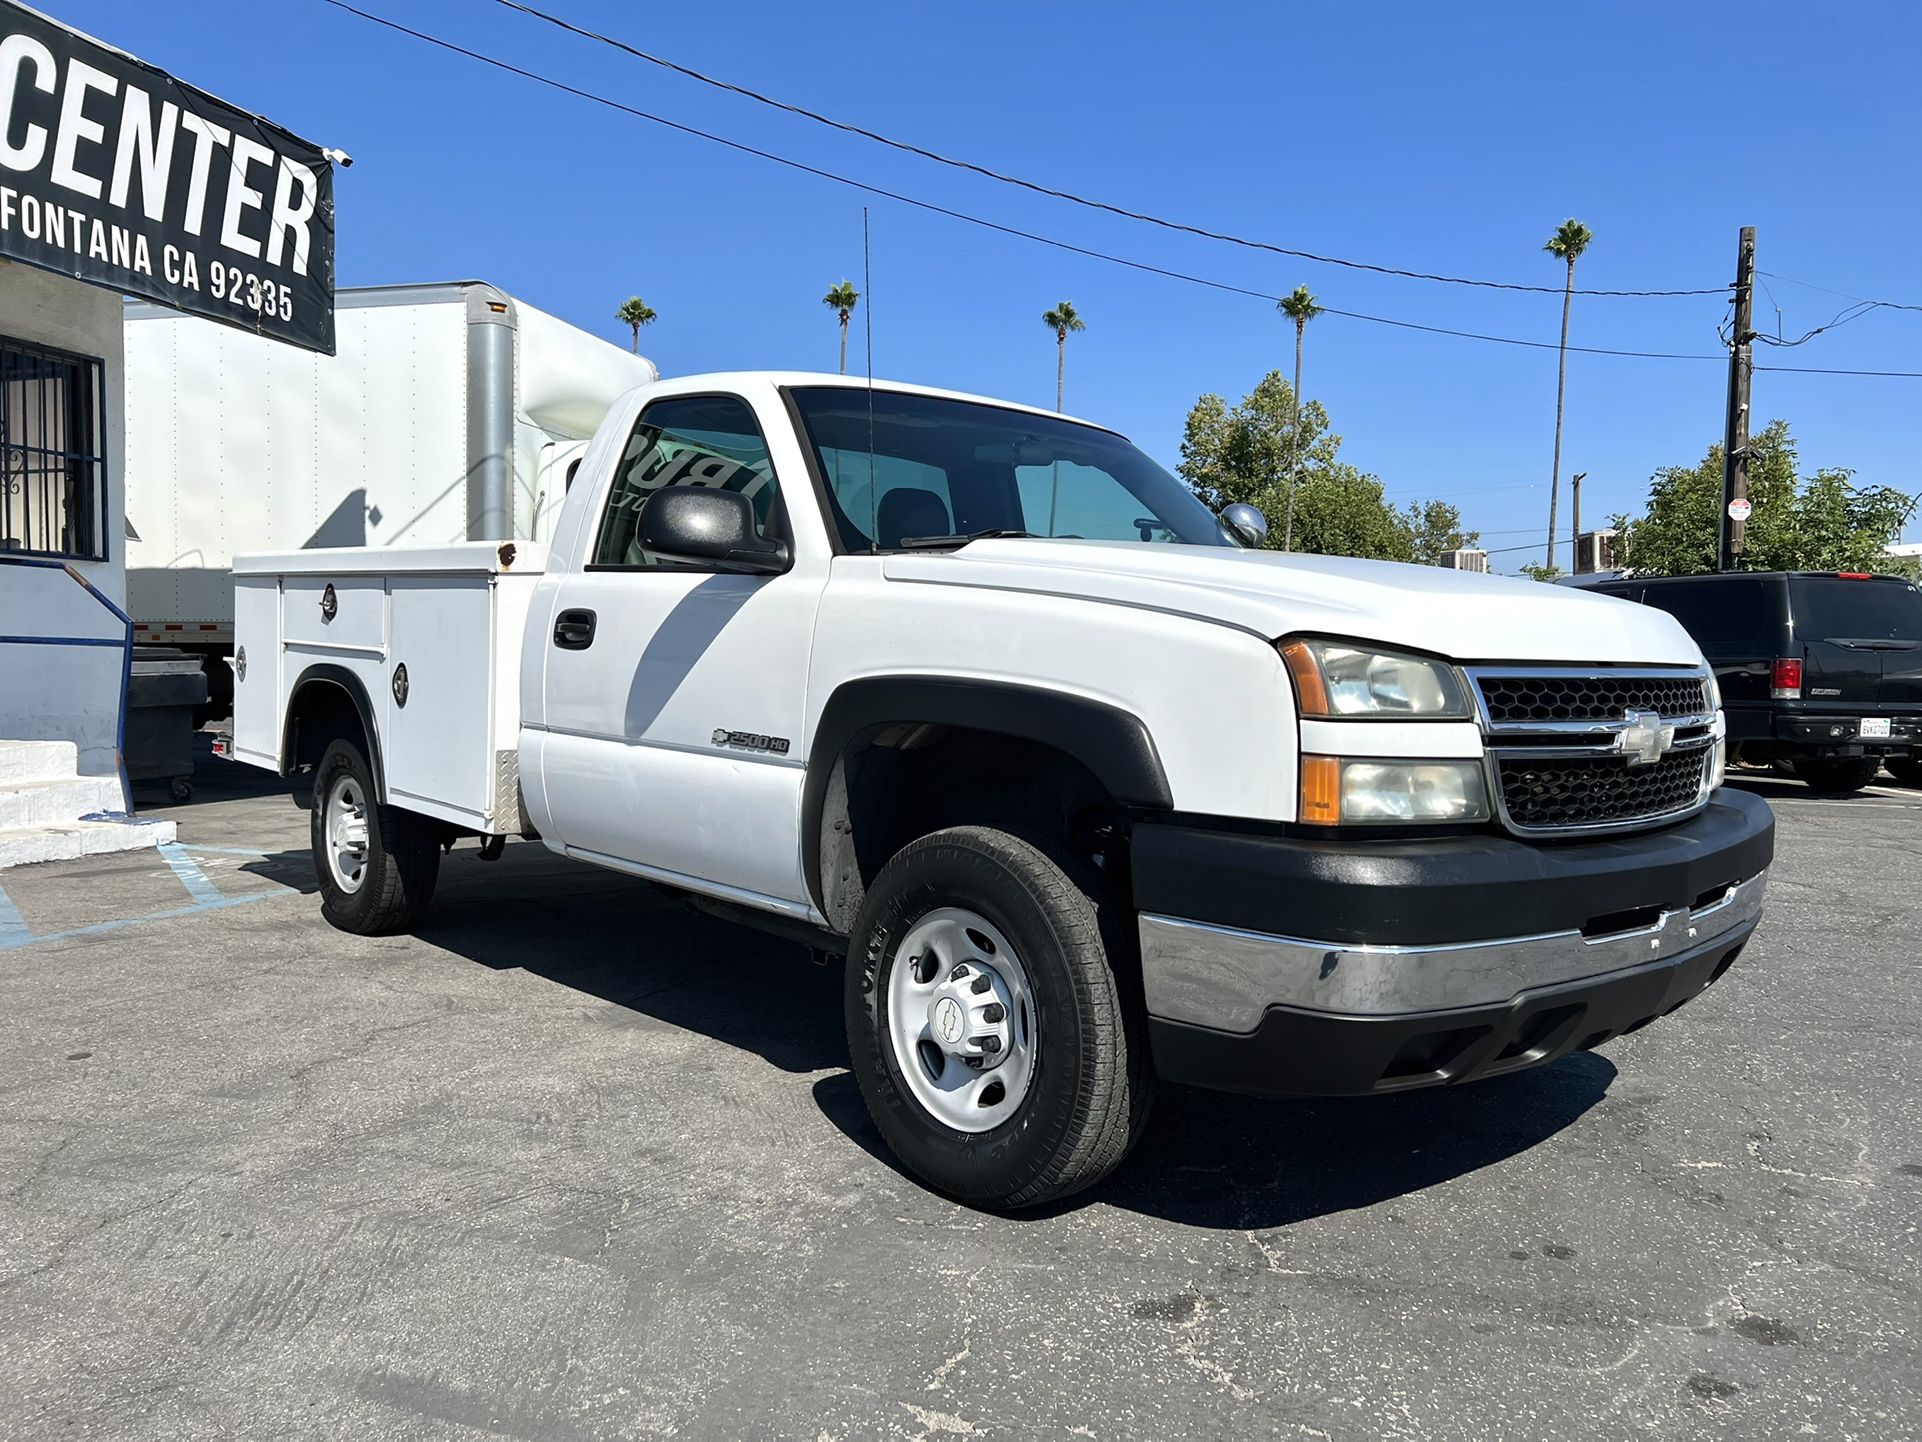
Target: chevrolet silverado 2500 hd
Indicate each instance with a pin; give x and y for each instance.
(1088, 790)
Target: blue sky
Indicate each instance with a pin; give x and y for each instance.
(1437, 138)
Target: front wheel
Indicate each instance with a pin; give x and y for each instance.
(1837, 773)
(998, 1050)
(377, 864)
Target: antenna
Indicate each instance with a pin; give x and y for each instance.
(867, 345)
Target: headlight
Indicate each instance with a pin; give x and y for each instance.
(1714, 693)
(1336, 679)
(1339, 792)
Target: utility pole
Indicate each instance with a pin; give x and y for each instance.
(1575, 519)
(1741, 369)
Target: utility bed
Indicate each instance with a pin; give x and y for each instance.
(427, 639)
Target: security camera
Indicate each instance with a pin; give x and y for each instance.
(339, 157)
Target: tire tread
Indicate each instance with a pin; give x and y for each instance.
(1111, 1104)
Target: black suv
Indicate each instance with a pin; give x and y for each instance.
(1821, 669)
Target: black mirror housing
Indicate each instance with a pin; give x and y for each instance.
(704, 523)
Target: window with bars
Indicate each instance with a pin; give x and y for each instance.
(53, 467)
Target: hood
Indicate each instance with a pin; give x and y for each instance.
(1457, 614)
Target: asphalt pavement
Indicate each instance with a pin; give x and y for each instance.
(578, 1162)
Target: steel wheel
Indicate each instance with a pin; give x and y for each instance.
(346, 822)
(961, 1017)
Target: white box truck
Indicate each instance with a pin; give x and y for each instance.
(451, 412)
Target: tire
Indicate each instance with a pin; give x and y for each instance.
(1837, 773)
(385, 883)
(1072, 1064)
(1906, 769)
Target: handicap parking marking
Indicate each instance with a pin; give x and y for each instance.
(202, 896)
(199, 888)
(13, 926)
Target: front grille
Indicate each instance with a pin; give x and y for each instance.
(1519, 699)
(1563, 793)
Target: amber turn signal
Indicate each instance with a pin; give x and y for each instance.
(1310, 690)
(1321, 790)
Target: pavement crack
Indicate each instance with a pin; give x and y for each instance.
(941, 1374)
(364, 1045)
(938, 1423)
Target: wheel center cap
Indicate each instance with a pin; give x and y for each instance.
(948, 1020)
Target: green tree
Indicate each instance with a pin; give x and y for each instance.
(1434, 529)
(841, 299)
(635, 313)
(1062, 319)
(1821, 522)
(1542, 570)
(1241, 453)
(1299, 306)
(1568, 242)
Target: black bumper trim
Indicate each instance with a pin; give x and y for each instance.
(1426, 893)
(1844, 730)
(1306, 1053)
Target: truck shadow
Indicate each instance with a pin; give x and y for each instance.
(633, 944)
(1245, 1163)
(1207, 1160)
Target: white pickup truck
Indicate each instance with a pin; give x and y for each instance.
(1088, 790)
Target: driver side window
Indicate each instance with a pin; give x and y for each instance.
(686, 441)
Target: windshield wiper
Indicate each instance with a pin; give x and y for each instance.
(955, 542)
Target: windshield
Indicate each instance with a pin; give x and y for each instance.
(941, 467)
(1838, 608)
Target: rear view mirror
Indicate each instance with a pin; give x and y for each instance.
(701, 523)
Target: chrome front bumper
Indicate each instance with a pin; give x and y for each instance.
(1226, 979)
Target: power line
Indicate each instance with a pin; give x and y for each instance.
(1513, 340)
(1037, 188)
(1842, 318)
(1842, 294)
(1832, 371)
(792, 164)
(953, 214)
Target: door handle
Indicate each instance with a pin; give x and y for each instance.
(574, 630)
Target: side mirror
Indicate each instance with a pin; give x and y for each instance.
(703, 523)
(1246, 524)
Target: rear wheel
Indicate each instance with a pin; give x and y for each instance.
(377, 864)
(1837, 773)
(998, 1051)
(1906, 769)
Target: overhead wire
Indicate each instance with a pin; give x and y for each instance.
(953, 214)
(1089, 252)
(1840, 294)
(907, 147)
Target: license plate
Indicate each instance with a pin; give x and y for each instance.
(1874, 726)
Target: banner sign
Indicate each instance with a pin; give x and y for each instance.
(118, 174)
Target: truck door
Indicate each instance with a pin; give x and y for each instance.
(673, 694)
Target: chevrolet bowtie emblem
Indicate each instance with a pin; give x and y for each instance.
(1644, 740)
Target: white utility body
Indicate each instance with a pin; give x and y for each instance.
(449, 410)
(1087, 786)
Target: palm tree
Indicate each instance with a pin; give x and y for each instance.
(1568, 242)
(1061, 320)
(842, 299)
(635, 313)
(1299, 307)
